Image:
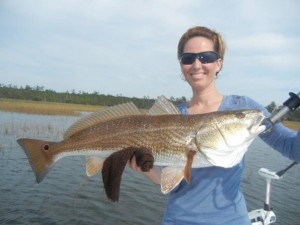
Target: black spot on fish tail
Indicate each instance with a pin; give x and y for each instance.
(46, 147)
(114, 165)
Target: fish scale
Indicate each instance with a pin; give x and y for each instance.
(165, 135)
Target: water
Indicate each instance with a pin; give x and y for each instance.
(68, 196)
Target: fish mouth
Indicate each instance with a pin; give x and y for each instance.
(258, 127)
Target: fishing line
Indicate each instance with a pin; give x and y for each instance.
(82, 184)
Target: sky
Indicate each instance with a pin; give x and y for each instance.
(128, 48)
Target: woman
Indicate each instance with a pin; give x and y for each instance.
(214, 195)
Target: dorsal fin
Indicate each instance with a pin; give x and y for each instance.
(125, 109)
(163, 106)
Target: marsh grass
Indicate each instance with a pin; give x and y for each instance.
(31, 129)
(50, 108)
(45, 108)
(6, 131)
(294, 125)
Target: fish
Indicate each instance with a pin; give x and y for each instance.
(176, 142)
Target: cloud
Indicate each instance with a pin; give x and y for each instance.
(265, 42)
(129, 47)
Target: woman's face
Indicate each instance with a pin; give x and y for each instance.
(200, 76)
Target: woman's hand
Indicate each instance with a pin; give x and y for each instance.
(133, 165)
(153, 174)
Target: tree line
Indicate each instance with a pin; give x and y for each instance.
(39, 93)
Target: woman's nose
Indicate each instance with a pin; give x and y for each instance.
(197, 63)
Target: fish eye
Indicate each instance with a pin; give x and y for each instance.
(46, 147)
(240, 115)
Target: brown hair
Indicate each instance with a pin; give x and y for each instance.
(216, 38)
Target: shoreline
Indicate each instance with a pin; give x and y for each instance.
(68, 109)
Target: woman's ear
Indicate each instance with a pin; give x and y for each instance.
(219, 65)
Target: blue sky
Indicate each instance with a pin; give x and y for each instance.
(128, 48)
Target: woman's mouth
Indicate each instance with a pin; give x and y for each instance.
(196, 75)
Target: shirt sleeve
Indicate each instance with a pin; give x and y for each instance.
(183, 108)
(279, 137)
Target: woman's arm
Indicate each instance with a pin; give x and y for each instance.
(279, 137)
(284, 140)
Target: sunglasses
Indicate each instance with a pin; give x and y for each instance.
(204, 57)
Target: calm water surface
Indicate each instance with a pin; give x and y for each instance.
(68, 196)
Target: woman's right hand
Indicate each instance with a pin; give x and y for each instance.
(153, 174)
(133, 165)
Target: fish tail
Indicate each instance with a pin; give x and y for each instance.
(38, 154)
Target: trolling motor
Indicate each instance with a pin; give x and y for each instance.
(266, 215)
(269, 176)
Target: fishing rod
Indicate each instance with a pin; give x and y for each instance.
(289, 105)
(266, 215)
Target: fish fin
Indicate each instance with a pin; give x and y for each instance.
(93, 164)
(188, 165)
(170, 178)
(101, 116)
(40, 159)
(163, 106)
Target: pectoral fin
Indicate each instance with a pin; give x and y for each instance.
(170, 178)
(188, 165)
(93, 165)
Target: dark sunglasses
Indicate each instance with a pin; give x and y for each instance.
(204, 57)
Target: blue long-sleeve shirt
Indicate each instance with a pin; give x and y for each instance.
(214, 195)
